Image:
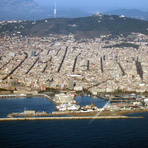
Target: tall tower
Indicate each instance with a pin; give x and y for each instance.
(55, 11)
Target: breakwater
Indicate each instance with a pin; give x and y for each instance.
(67, 118)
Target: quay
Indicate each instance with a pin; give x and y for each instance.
(68, 118)
(28, 95)
(13, 95)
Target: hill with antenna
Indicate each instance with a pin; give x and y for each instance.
(85, 27)
(133, 13)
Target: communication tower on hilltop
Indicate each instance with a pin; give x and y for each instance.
(55, 11)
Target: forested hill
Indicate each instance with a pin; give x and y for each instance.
(87, 27)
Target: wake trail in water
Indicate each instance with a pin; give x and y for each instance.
(107, 103)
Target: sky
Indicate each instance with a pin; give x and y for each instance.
(97, 4)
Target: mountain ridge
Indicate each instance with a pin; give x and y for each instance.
(82, 27)
(17, 9)
(18, 4)
(132, 13)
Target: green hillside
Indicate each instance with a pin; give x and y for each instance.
(88, 27)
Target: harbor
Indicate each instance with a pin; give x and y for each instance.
(40, 115)
(39, 112)
(67, 106)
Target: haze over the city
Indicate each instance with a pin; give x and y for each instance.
(42, 9)
(103, 5)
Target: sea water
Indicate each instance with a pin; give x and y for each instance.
(104, 133)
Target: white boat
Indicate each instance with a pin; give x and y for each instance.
(68, 107)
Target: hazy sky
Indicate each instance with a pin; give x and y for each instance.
(97, 4)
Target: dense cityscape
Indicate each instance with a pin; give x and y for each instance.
(101, 65)
(59, 66)
(73, 73)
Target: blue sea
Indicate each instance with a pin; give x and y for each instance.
(109, 133)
